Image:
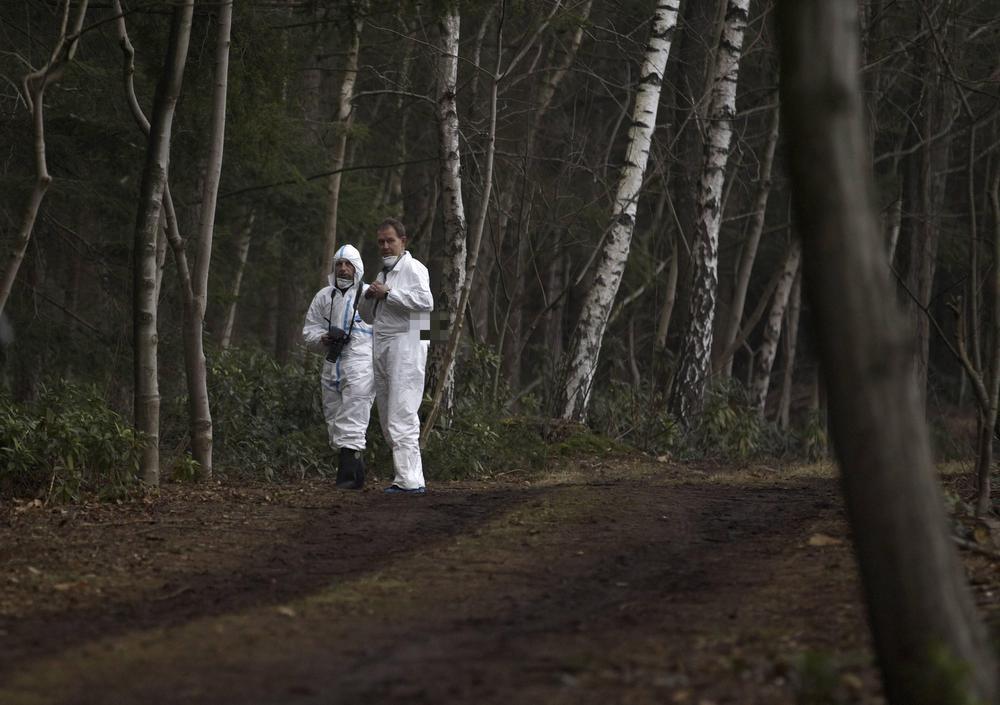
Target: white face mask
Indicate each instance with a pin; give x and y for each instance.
(390, 260)
(344, 283)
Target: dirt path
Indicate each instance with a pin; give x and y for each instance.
(645, 585)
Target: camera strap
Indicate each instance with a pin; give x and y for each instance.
(354, 312)
(385, 275)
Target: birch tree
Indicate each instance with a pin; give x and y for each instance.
(196, 300)
(585, 346)
(450, 177)
(154, 178)
(345, 118)
(447, 361)
(691, 377)
(193, 285)
(930, 644)
(33, 87)
(764, 360)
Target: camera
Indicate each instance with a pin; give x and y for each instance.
(338, 339)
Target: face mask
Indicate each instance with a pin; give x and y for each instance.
(389, 260)
(344, 283)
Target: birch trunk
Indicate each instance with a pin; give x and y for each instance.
(764, 361)
(448, 358)
(199, 409)
(585, 347)
(33, 92)
(441, 374)
(345, 118)
(930, 644)
(154, 178)
(791, 346)
(749, 255)
(691, 378)
(242, 252)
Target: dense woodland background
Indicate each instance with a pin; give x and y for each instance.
(335, 117)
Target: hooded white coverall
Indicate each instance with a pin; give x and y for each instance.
(400, 359)
(348, 384)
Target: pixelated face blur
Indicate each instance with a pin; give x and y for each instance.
(389, 242)
(344, 269)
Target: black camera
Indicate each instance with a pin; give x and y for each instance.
(338, 339)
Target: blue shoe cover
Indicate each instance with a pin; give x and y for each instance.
(395, 489)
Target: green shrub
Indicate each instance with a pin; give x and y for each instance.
(481, 440)
(812, 437)
(66, 443)
(636, 417)
(267, 418)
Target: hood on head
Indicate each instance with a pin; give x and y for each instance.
(351, 254)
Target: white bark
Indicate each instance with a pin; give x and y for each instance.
(764, 361)
(691, 377)
(455, 226)
(345, 118)
(749, 254)
(585, 347)
(199, 410)
(451, 349)
(33, 87)
(154, 178)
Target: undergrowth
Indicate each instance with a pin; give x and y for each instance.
(66, 443)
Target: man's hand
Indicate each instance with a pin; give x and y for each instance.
(326, 340)
(377, 290)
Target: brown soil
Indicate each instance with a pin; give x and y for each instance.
(619, 581)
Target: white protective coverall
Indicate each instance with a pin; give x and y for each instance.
(348, 384)
(400, 359)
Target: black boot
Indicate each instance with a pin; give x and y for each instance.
(351, 469)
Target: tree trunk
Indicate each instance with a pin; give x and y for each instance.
(691, 378)
(243, 250)
(749, 254)
(199, 410)
(764, 361)
(455, 226)
(345, 117)
(669, 296)
(154, 178)
(585, 347)
(924, 623)
(33, 93)
(451, 349)
(791, 346)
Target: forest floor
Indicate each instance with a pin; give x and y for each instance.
(603, 580)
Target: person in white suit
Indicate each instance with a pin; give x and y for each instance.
(347, 379)
(398, 305)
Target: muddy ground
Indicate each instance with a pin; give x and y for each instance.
(617, 580)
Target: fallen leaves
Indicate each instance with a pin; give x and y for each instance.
(824, 540)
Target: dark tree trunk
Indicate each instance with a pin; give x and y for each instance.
(930, 644)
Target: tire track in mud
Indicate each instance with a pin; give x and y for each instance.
(634, 591)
